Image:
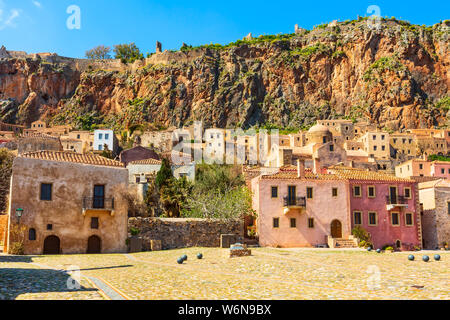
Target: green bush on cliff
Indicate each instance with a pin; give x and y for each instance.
(386, 63)
(128, 53)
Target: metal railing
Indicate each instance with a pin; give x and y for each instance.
(294, 201)
(98, 203)
(396, 200)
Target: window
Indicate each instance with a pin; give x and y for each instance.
(276, 223)
(371, 191)
(94, 223)
(309, 193)
(357, 191)
(383, 148)
(448, 207)
(373, 221)
(311, 223)
(398, 244)
(46, 192)
(334, 192)
(32, 234)
(395, 219)
(374, 137)
(99, 197)
(138, 179)
(100, 136)
(100, 147)
(409, 221)
(324, 139)
(443, 171)
(49, 227)
(331, 148)
(408, 193)
(357, 218)
(78, 136)
(274, 192)
(293, 223)
(106, 136)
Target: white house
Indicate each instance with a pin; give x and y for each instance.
(105, 137)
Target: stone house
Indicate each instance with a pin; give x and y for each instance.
(84, 140)
(385, 205)
(423, 168)
(31, 142)
(376, 144)
(435, 201)
(70, 203)
(403, 146)
(159, 140)
(137, 153)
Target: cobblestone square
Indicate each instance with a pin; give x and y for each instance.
(269, 274)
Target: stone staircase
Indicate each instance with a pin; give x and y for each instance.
(351, 242)
(345, 243)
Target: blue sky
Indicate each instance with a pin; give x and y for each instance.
(40, 25)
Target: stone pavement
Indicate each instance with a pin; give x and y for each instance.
(268, 274)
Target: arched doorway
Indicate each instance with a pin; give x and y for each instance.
(94, 245)
(336, 229)
(52, 245)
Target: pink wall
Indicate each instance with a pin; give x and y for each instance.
(323, 208)
(385, 233)
(437, 167)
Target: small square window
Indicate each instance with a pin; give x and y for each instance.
(357, 218)
(357, 191)
(293, 223)
(309, 193)
(395, 219)
(371, 191)
(94, 223)
(373, 219)
(276, 223)
(409, 219)
(274, 192)
(46, 192)
(311, 223)
(408, 193)
(334, 192)
(49, 227)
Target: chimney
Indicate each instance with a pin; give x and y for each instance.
(300, 168)
(316, 168)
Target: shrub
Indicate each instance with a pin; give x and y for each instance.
(16, 249)
(134, 231)
(361, 234)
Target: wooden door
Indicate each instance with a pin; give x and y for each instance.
(52, 245)
(336, 229)
(94, 245)
(99, 197)
(292, 194)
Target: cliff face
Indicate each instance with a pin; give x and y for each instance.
(397, 77)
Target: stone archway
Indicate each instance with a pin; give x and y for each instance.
(94, 245)
(336, 229)
(52, 245)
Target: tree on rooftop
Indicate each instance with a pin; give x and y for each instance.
(164, 174)
(128, 53)
(99, 53)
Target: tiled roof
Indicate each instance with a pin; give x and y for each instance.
(146, 162)
(361, 174)
(38, 135)
(290, 173)
(72, 157)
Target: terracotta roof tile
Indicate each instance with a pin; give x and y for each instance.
(146, 162)
(361, 174)
(72, 157)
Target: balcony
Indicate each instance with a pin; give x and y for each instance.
(290, 203)
(398, 201)
(98, 204)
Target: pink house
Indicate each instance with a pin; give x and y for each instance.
(301, 209)
(423, 168)
(384, 205)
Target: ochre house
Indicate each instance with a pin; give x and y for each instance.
(68, 203)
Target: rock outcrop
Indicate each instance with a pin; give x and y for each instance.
(396, 76)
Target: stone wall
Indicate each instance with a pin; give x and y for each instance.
(182, 233)
(3, 225)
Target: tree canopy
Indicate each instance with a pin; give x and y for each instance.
(100, 52)
(128, 53)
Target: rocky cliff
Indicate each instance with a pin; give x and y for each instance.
(396, 76)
